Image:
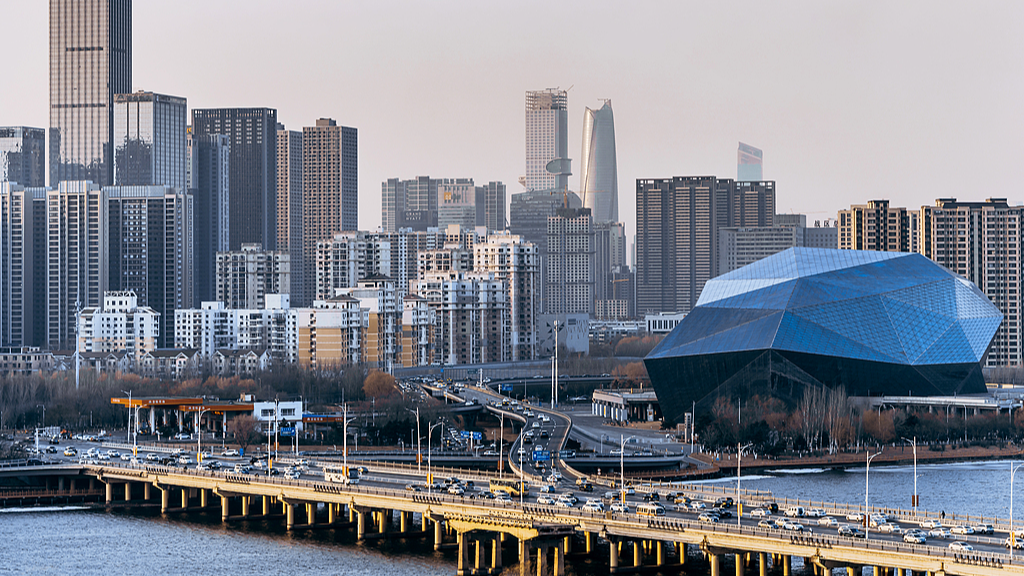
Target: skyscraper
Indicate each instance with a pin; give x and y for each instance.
(877, 226)
(330, 180)
(494, 206)
(457, 202)
(569, 274)
(90, 61)
(208, 175)
(599, 178)
(22, 269)
(23, 155)
(749, 163)
(289, 206)
(149, 140)
(547, 136)
(253, 171)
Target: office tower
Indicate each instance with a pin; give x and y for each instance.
(90, 61)
(749, 163)
(345, 258)
(329, 187)
(981, 241)
(569, 279)
(494, 206)
(289, 205)
(208, 176)
(22, 264)
(457, 202)
(151, 244)
(23, 156)
(599, 178)
(119, 325)
(511, 259)
(528, 219)
(678, 220)
(409, 204)
(149, 140)
(877, 226)
(245, 277)
(252, 173)
(76, 262)
(547, 136)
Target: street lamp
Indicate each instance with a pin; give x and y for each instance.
(913, 443)
(739, 464)
(430, 477)
(1012, 536)
(622, 465)
(867, 519)
(344, 440)
(419, 448)
(199, 435)
(43, 406)
(128, 436)
(501, 445)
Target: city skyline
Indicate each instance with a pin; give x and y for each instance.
(845, 93)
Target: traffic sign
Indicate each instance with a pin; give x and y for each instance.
(506, 387)
(566, 454)
(541, 455)
(473, 435)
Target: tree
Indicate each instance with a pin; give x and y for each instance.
(244, 430)
(379, 385)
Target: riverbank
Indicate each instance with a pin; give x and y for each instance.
(890, 455)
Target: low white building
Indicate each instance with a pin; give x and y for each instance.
(120, 325)
(284, 415)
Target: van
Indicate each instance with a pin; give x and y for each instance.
(795, 511)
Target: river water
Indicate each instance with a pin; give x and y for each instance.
(92, 541)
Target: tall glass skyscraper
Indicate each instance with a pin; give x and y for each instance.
(749, 163)
(90, 61)
(599, 178)
(547, 125)
(149, 140)
(23, 155)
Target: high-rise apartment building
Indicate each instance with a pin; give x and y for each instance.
(119, 325)
(150, 140)
(23, 156)
(424, 202)
(678, 220)
(289, 204)
(329, 187)
(749, 163)
(547, 138)
(209, 182)
(150, 249)
(252, 133)
(981, 241)
(494, 207)
(878, 226)
(471, 316)
(569, 276)
(76, 261)
(245, 277)
(599, 177)
(90, 61)
(22, 265)
(346, 258)
(511, 259)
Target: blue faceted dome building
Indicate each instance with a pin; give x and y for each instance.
(875, 322)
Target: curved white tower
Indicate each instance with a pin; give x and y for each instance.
(599, 181)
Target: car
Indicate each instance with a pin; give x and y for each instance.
(855, 517)
(242, 469)
(962, 529)
(126, 457)
(536, 425)
(794, 526)
(456, 490)
(620, 507)
(51, 449)
(766, 523)
(113, 453)
(551, 478)
(983, 528)
(1017, 543)
(630, 490)
(502, 497)
(570, 497)
(698, 505)
(542, 499)
(795, 511)
(827, 521)
(815, 512)
(652, 497)
(890, 528)
(182, 436)
(102, 456)
(594, 506)
(931, 524)
(780, 521)
(70, 451)
(544, 434)
(547, 489)
(151, 457)
(723, 513)
(851, 532)
(759, 513)
(914, 538)
(961, 547)
(186, 460)
(564, 503)
(723, 502)
(708, 518)
(229, 452)
(939, 533)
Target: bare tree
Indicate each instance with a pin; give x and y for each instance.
(243, 428)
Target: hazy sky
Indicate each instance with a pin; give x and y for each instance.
(850, 101)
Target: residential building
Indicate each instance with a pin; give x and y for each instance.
(381, 318)
(23, 156)
(569, 277)
(90, 61)
(252, 179)
(245, 277)
(22, 265)
(227, 362)
(470, 316)
(749, 163)
(214, 327)
(289, 205)
(417, 340)
(599, 178)
(329, 335)
(620, 299)
(876, 226)
(547, 133)
(738, 247)
(25, 360)
(169, 363)
(209, 181)
(119, 325)
(514, 261)
(76, 263)
(528, 219)
(347, 257)
(150, 248)
(149, 140)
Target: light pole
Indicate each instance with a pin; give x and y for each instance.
(43, 406)
(128, 436)
(501, 445)
(693, 424)
(1012, 536)
(199, 435)
(419, 448)
(913, 443)
(867, 519)
(430, 477)
(344, 440)
(739, 464)
(622, 466)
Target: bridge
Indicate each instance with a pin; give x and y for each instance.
(545, 535)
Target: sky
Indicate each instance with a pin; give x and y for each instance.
(850, 101)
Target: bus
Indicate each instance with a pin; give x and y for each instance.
(511, 486)
(342, 476)
(650, 509)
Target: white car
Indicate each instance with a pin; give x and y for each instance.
(961, 547)
(456, 490)
(542, 499)
(697, 505)
(931, 524)
(620, 507)
(962, 529)
(827, 521)
(794, 526)
(939, 533)
(855, 517)
(815, 512)
(229, 452)
(759, 513)
(152, 457)
(594, 506)
(890, 528)
(563, 503)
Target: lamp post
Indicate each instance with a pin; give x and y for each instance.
(739, 464)
(430, 477)
(344, 440)
(501, 445)
(43, 406)
(913, 442)
(199, 435)
(867, 520)
(622, 466)
(128, 436)
(1012, 536)
(693, 424)
(419, 448)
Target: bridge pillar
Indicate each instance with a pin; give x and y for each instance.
(165, 500)
(383, 516)
(478, 557)
(613, 558)
(787, 565)
(203, 503)
(542, 560)
(225, 508)
(463, 569)
(588, 539)
(682, 552)
(438, 535)
(496, 555)
(265, 511)
(289, 515)
(876, 570)
(310, 513)
(716, 564)
(92, 483)
(127, 491)
(245, 506)
(659, 548)
(184, 498)
(351, 513)
(851, 571)
(567, 544)
(110, 493)
(424, 522)
(524, 557)
(560, 552)
(146, 490)
(361, 527)
(638, 553)
(739, 564)
(330, 514)
(762, 563)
